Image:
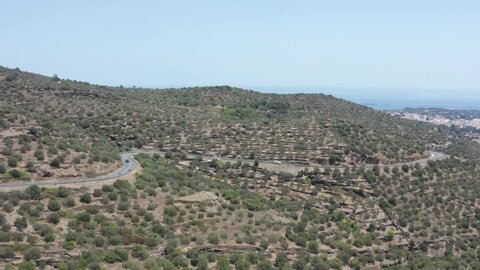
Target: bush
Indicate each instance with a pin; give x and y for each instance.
(213, 238)
(54, 205)
(281, 261)
(139, 252)
(264, 244)
(15, 173)
(69, 245)
(3, 219)
(69, 202)
(63, 192)
(55, 163)
(53, 218)
(159, 229)
(99, 241)
(32, 193)
(320, 263)
(152, 240)
(390, 235)
(8, 207)
(202, 262)
(97, 193)
(3, 168)
(39, 155)
(117, 255)
(12, 161)
(49, 237)
(30, 167)
(123, 186)
(21, 223)
(5, 236)
(223, 264)
(107, 188)
(7, 252)
(71, 236)
(86, 198)
(313, 247)
(32, 254)
(27, 266)
(242, 265)
(265, 265)
(83, 217)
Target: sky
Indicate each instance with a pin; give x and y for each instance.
(408, 44)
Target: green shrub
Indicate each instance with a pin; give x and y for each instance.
(21, 223)
(54, 205)
(139, 252)
(63, 192)
(32, 254)
(313, 247)
(69, 245)
(213, 238)
(223, 263)
(3, 168)
(53, 218)
(7, 252)
(86, 198)
(14, 173)
(27, 265)
(55, 163)
(118, 254)
(12, 161)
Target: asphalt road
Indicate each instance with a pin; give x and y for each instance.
(129, 164)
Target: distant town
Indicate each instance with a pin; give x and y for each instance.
(458, 118)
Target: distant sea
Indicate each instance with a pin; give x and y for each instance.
(392, 99)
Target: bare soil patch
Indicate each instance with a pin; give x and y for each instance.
(203, 196)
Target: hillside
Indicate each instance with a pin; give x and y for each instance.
(80, 124)
(344, 192)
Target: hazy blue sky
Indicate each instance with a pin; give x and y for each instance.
(382, 44)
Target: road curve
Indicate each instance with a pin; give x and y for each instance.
(129, 164)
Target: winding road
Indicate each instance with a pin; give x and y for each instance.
(129, 164)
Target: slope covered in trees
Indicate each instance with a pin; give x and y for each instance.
(211, 213)
(48, 124)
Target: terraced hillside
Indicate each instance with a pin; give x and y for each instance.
(198, 206)
(53, 127)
